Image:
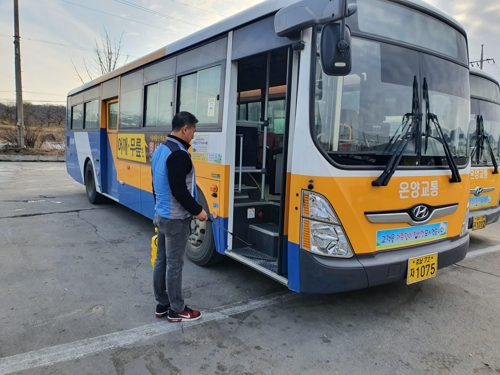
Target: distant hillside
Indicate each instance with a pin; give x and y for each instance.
(34, 114)
(43, 124)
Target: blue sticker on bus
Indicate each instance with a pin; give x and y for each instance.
(391, 238)
(477, 202)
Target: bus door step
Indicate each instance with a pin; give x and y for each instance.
(245, 190)
(257, 258)
(265, 238)
(245, 187)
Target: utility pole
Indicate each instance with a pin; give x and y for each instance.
(482, 57)
(480, 62)
(19, 87)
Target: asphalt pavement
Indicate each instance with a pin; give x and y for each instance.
(76, 298)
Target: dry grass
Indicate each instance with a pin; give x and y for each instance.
(8, 134)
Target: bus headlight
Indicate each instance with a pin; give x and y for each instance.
(329, 240)
(317, 207)
(465, 225)
(322, 232)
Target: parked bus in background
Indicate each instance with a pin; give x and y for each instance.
(484, 135)
(331, 157)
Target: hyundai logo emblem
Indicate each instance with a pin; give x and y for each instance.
(478, 191)
(420, 212)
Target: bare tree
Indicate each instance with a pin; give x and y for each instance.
(8, 114)
(37, 118)
(106, 57)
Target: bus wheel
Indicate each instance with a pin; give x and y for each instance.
(92, 195)
(201, 246)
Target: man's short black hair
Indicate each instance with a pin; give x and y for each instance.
(183, 118)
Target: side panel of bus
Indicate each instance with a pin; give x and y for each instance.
(83, 135)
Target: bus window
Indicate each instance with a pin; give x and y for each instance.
(491, 120)
(410, 27)
(91, 115)
(242, 112)
(484, 89)
(375, 97)
(77, 117)
(159, 103)
(112, 116)
(249, 105)
(200, 94)
(276, 116)
(131, 100)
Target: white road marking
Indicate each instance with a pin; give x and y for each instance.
(487, 250)
(78, 349)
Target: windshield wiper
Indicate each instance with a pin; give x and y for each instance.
(480, 138)
(455, 175)
(408, 131)
(479, 142)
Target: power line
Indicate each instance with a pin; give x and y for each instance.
(155, 12)
(128, 19)
(166, 15)
(498, 70)
(35, 101)
(34, 92)
(61, 44)
(49, 42)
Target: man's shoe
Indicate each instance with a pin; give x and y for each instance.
(161, 311)
(184, 316)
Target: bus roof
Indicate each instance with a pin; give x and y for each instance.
(256, 12)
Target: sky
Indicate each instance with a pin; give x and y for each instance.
(57, 35)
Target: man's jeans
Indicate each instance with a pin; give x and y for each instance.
(167, 275)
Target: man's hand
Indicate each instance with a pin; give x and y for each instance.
(202, 216)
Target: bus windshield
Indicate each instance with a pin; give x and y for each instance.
(490, 114)
(357, 117)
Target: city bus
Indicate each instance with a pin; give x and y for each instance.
(331, 149)
(484, 135)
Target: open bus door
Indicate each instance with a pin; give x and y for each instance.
(262, 132)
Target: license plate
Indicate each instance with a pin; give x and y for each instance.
(479, 222)
(421, 268)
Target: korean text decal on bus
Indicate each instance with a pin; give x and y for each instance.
(331, 150)
(484, 137)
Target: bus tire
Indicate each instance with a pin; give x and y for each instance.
(200, 248)
(90, 188)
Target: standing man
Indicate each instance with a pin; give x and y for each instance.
(174, 189)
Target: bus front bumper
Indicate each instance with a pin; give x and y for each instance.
(332, 275)
(492, 215)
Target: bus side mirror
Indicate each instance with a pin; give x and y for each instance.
(335, 49)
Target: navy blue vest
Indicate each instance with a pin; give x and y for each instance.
(166, 205)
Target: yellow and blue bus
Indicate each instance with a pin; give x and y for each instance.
(484, 135)
(331, 149)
